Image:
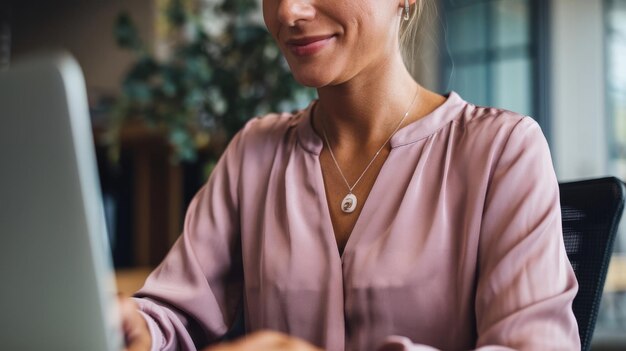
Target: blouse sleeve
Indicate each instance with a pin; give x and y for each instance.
(526, 284)
(192, 297)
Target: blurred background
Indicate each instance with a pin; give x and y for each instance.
(171, 81)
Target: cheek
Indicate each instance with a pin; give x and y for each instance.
(378, 34)
(371, 25)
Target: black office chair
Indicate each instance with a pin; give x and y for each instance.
(591, 211)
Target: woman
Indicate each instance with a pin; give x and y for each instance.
(383, 216)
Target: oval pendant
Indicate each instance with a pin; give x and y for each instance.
(348, 205)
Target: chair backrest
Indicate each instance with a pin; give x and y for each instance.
(591, 211)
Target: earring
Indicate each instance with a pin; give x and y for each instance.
(406, 10)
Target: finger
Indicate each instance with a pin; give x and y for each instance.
(139, 345)
(258, 341)
(134, 326)
(271, 341)
(266, 339)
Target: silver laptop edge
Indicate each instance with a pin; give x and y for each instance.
(55, 267)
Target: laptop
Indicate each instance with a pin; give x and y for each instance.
(57, 288)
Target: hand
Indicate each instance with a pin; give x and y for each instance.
(266, 341)
(136, 332)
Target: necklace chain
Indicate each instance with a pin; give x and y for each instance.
(332, 154)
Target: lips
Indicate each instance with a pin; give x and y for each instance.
(307, 46)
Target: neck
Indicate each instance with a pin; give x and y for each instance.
(365, 110)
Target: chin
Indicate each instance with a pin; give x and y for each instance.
(311, 81)
(313, 78)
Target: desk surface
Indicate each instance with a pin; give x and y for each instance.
(130, 280)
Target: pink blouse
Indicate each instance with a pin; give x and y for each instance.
(458, 246)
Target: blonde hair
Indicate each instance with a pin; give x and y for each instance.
(410, 34)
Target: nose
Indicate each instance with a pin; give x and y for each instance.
(292, 11)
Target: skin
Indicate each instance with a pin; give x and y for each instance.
(364, 90)
(134, 327)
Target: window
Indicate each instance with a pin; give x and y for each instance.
(612, 316)
(616, 81)
(493, 55)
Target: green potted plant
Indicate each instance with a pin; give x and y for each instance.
(210, 84)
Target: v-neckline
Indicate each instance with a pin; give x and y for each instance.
(410, 133)
(364, 211)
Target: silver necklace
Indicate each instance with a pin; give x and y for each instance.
(349, 202)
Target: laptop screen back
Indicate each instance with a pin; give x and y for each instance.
(57, 288)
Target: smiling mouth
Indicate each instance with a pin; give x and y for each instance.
(308, 46)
